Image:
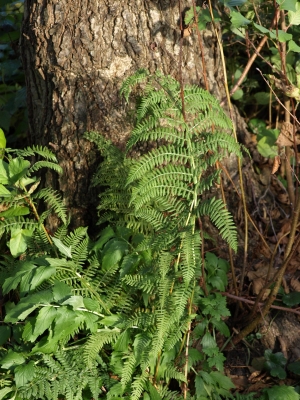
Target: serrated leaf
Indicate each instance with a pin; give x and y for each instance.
(41, 274)
(91, 304)
(43, 321)
(11, 359)
(74, 301)
(208, 341)
(24, 373)
(60, 291)
(64, 250)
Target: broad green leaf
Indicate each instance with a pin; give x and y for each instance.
(60, 291)
(238, 94)
(41, 274)
(2, 140)
(4, 173)
(292, 46)
(282, 392)
(91, 304)
(5, 333)
(24, 373)
(4, 192)
(110, 320)
(11, 359)
(282, 36)
(208, 341)
(294, 16)
(28, 304)
(113, 253)
(74, 301)
(18, 241)
(46, 345)
(288, 5)
(291, 299)
(237, 19)
(5, 391)
(65, 250)
(43, 321)
(14, 211)
(17, 168)
(66, 323)
(13, 281)
(106, 234)
(262, 98)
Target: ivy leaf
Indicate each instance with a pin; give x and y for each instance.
(64, 250)
(24, 373)
(11, 359)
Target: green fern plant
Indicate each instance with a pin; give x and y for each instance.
(129, 306)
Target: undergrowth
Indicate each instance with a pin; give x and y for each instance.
(135, 313)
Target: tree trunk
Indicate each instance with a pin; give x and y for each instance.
(76, 53)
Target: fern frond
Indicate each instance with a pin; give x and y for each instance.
(45, 164)
(53, 199)
(221, 217)
(43, 151)
(95, 343)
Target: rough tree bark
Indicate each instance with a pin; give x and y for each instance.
(76, 53)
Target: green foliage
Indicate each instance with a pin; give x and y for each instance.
(19, 220)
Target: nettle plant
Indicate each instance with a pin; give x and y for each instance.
(135, 313)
